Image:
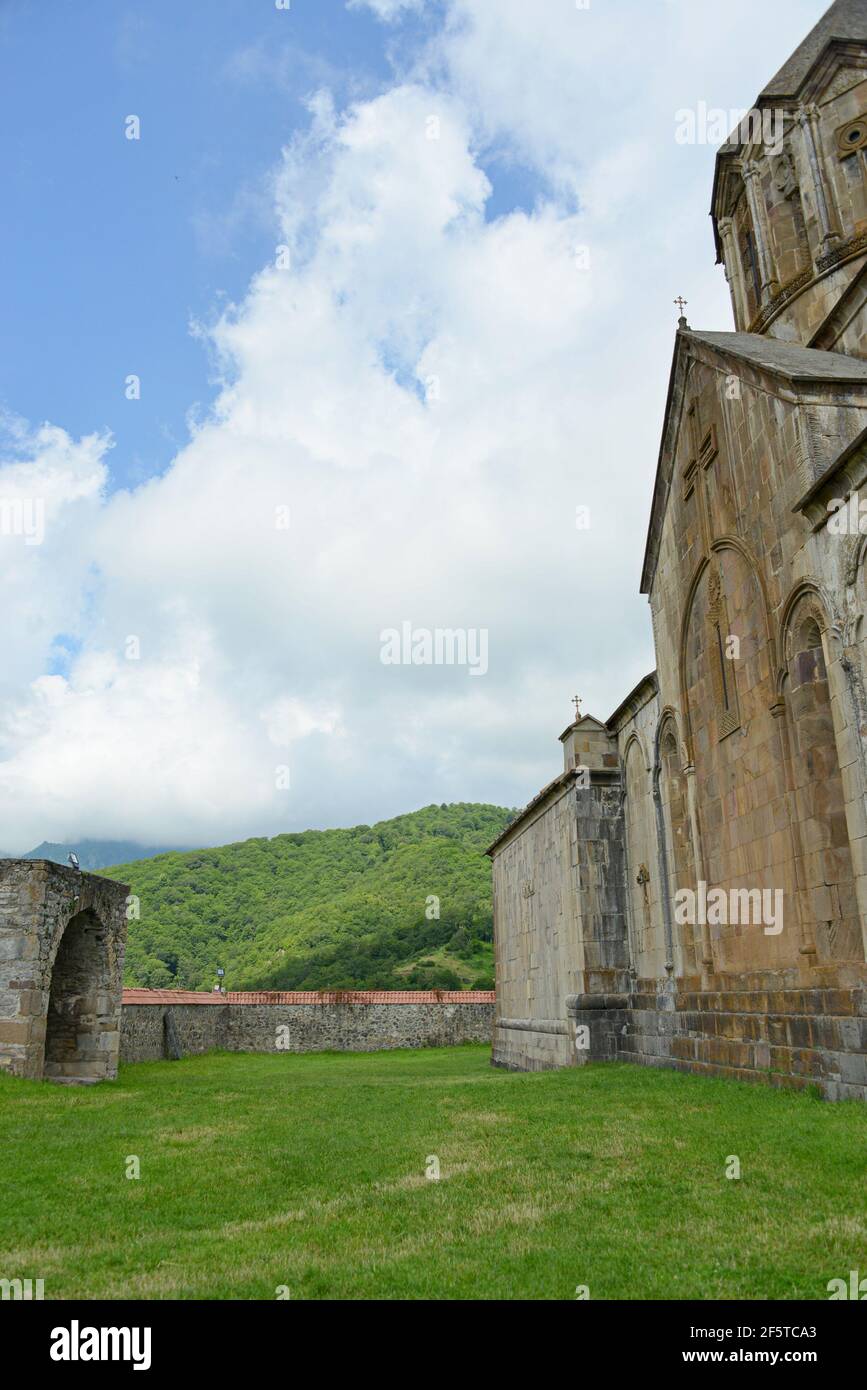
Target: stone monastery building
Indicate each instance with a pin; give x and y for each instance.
(691, 891)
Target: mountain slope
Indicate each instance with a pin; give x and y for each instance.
(94, 854)
(340, 909)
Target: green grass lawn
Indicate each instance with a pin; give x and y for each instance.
(309, 1172)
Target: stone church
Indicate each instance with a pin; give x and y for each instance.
(691, 890)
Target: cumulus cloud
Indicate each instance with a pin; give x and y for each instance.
(386, 9)
(415, 403)
(51, 491)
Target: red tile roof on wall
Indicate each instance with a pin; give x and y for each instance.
(170, 996)
(312, 996)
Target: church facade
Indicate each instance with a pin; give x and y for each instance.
(691, 890)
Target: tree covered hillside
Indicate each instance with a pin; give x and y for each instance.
(337, 909)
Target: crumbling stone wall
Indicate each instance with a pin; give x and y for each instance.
(62, 943)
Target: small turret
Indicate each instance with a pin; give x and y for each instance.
(588, 744)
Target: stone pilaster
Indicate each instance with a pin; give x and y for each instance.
(756, 200)
(809, 120)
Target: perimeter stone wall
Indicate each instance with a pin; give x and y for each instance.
(354, 1022)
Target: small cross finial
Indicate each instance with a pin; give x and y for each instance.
(577, 702)
(681, 304)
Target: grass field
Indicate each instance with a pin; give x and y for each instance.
(309, 1172)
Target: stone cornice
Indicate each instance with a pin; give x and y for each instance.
(646, 690)
(541, 801)
(845, 475)
(852, 300)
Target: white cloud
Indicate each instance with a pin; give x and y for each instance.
(386, 9)
(51, 489)
(431, 396)
(568, 87)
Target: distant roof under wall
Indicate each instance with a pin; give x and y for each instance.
(170, 996)
(311, 996)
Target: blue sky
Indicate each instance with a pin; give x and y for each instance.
(488, 216)
(119, 245)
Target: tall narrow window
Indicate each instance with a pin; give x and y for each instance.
(723, 668)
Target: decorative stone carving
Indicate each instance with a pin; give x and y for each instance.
(842, 81)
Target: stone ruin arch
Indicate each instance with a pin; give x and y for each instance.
(62, 943)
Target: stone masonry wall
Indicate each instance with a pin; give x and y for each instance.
(761, 1027)
(62, 943)
(560, 923)
(536, 936)
(356, 1022)
(142, 1031)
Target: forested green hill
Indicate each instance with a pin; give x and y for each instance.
(337, 909)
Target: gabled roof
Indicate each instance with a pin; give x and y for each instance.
(796, 365)
(788, 360)
(846, 19)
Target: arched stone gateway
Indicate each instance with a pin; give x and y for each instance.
(62, 943)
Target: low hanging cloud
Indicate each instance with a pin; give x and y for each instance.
(424, 417)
